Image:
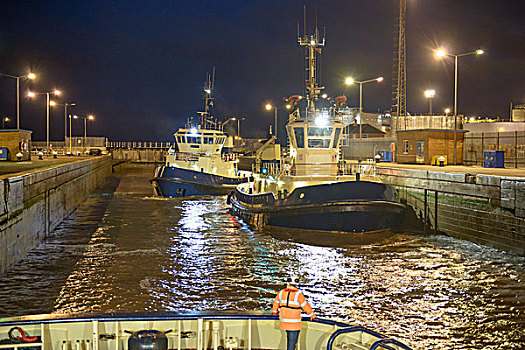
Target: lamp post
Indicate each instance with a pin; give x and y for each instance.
(430, 95)
(75, 117)
(48, 103)
(30, 76)
(269, 107)
(65, 105)
(90, 117)
(443, 53)
(350, 81)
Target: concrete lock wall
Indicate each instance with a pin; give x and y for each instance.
(484, 209)
(35, 204)
(140, 155)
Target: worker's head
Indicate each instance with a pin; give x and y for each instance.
(292, 280)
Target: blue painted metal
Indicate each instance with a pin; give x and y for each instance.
(493, 159)
(4, 153)
(384, 341)
(386, 156)
(350, 206)
(383, 344)
(178, 182)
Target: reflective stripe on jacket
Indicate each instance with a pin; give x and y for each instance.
(289, 302)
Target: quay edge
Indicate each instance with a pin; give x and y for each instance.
(481, 208)
(35, 203)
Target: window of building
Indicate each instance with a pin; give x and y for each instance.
(405, 146)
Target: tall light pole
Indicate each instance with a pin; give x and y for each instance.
(350, 81)
(430, 95)
(28, 76)
(269, 107)
(65, 105)
(90, 117)
(75, 117)
(48, 103)
(443, 53)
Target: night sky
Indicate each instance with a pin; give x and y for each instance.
(139, 66)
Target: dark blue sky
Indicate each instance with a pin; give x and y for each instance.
(139, 66)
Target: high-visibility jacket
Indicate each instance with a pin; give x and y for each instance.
(288, 303)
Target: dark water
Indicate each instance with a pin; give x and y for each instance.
(125, 250)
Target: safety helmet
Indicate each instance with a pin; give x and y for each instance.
(292, 280)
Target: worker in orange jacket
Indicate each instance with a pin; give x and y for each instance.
(288, 303)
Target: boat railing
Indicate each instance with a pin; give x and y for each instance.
(185, 331)
(367, 168)
(189, 157)
(381, 343)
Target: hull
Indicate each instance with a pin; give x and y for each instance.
(176, 182)
(347, 207)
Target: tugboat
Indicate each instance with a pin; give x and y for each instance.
(311, 190)
(202, 165)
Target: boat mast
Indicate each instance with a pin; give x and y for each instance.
(206, 120)
(313, 46)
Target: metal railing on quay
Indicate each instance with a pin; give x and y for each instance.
(139, 145)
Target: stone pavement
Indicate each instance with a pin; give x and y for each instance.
(8, 169)
(473, 170)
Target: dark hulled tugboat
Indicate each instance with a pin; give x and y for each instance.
(309, 191)
(200, 166)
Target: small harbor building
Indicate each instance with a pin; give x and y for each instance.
(425, 146)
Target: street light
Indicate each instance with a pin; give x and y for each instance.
(48, 103)
(443, 53)
(65, 105)
(350, 81)
(269, 107)
(430, 95)
(29, 76)
(89, 117)
(4, 120)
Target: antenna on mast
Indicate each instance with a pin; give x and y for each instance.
(313, 46)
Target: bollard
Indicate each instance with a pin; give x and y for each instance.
(55, 154)
(19, 156)
(40, 155)
(441, 161)
(377, 158)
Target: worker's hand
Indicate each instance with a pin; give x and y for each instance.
(313, 316)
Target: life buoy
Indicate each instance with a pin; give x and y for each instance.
(22, 337)
(340, 101)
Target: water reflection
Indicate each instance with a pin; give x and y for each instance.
(126, 250)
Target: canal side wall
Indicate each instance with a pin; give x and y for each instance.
(34, 204)
(139, 155)
(484, 209)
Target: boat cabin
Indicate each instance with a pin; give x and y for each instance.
(314, 144)
(195, 140)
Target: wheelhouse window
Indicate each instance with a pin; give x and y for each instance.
(318, 143)
(299, 137)
(336, 137)
(316, 131)
(405, 146)
(194, 139)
